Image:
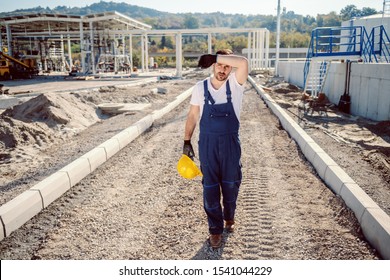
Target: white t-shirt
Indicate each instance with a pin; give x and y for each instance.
(219, 95)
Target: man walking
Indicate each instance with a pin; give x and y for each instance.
(217, 101)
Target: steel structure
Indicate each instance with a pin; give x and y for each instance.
(103, 33)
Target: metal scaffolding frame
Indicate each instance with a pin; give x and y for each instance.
(95, 30)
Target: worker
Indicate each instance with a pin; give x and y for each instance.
(216, 104)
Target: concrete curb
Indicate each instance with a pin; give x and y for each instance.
(374, 222)
(22, 208)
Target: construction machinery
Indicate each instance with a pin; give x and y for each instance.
(11, 68)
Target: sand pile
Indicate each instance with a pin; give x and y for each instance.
(42, 119)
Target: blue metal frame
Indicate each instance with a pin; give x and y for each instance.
(347, 41)
(380, 42)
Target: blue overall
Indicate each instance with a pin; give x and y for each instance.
(219, 155)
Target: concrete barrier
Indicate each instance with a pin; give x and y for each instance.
(77, 170)
(19, 210)
(96, 157)
(53, 187)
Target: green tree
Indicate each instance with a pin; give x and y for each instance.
(368, 11)
(190, 22)
(349, 12)
(166, 42)
(331, 19)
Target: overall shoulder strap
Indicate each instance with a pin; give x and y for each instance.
(228, 92)
(207, 95)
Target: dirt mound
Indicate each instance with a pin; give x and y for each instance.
(54, 109)
(14, 133)
(41, 120)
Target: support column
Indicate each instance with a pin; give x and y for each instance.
(131, 51)
(261, 46)
(82, 51)
(142, 53)
(249, 54)
(254, 53)
(146, 53)
(179, 55)
(209, 43)
(9, 39)
(1, 41)
(91, 47)
(63, 64)
(277, 40)
(258, 50)
(70, 54)
(266, 44)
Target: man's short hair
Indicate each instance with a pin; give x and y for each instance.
(224, 51)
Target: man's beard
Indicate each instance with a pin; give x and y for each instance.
(221, 76)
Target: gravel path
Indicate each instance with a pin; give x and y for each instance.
(135, 206)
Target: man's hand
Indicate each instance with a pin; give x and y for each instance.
(188, 150)
(206, 60)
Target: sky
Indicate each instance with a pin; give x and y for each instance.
(247, 7)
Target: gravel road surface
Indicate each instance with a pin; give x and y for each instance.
(136, 206)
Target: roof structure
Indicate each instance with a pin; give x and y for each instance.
(56, 24)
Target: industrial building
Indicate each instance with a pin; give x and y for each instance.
(105, 42)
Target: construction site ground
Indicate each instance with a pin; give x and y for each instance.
(136, 206)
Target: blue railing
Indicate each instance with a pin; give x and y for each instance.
(380, 43)
(348, 41)
(334, 41)
(367, 53)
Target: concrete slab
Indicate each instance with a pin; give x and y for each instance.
(19, 210)
(144, 124)
(321, 161)
(96, 157)
(356, 199)
(335, 178)
(77, 170)
(132, 131)
(128, 107)
(111, 147)
(123, 138)
(311, 149)
(2, 231)
(376, 228)
(52, 187)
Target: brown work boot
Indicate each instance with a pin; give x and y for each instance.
(215, 240)
(229, 225)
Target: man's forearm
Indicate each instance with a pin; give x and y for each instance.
(235, 61)
(238, 62)
(189, 130)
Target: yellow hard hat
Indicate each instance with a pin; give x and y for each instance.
(187, 168)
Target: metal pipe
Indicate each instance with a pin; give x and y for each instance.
(277, 40)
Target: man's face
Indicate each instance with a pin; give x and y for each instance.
(221, 71)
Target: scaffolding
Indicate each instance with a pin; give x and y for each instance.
(106, 41)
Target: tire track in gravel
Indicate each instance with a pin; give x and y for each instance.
(254, 237)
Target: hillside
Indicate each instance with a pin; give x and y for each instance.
(295, 28)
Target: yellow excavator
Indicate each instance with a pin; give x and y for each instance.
(11, 68)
